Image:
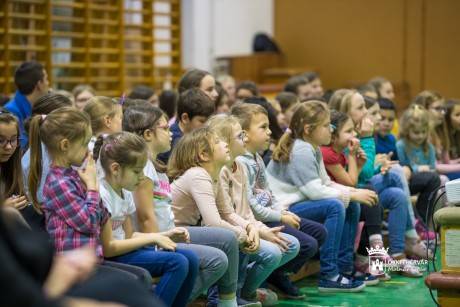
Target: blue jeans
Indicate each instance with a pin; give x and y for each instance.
(265, 261)
(390, 188)
(341, 224)
(178, 271)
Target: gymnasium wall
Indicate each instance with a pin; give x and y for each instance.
(417, 41)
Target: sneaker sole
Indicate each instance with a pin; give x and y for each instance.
(349, 290)
(372, 282)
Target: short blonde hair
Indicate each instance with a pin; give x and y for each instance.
(222, 125)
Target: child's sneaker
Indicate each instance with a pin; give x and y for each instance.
(283, 285)
(337, 286)
(366, 278)
(265, 296)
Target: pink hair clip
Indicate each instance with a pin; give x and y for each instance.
(105, 135)
(43, 117)
(288, 131)
(108, 147)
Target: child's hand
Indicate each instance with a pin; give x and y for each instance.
(353, 145)
(387, 164)
(252, 239)
(69, 269)
(424, 168)
(17, 202)
(379, 159)
(365, 128)
(89, 175)
(273, 235)
(163, 242)
(178, 235)
(364, 196)
(362, 157)
(291, 220)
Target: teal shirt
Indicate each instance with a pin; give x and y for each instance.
(368, 145)
(415, 156)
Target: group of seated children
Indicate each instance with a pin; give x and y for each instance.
(226, 204)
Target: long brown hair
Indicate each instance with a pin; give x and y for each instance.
(11, 170)
(454, 144)
(186, 153)
(139, 118)
(63, 123)
(307, 113)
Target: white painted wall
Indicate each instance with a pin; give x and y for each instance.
(214, 28)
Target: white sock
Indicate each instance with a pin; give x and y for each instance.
(228, 303)
(376, 237)
(411, 233)
(343, 281)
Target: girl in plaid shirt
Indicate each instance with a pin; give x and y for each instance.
(74, 215)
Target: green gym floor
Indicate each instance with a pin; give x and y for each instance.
(399, 291)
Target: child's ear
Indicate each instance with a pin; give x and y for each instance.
(307, 129)
(203, 157)
(107, 121)
(64, 145)
(148, 135)
(115, 168)
(184, 118)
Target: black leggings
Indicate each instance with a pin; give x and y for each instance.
(423, 183)
(372, 218)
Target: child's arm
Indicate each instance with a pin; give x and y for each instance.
(128, 227)
(202, 192)
(81, 212)
(143, 198)
(367, 171)
(112, 248)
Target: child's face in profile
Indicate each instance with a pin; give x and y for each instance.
(455, 118)
(258, 135)
(78, 150)
(346, 133)
(132, 176)
(357, 108)
(373, 113)
(386, 91)
(387, 122)
(239, 141)
(221, 153)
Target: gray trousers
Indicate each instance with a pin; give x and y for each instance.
(217, 249)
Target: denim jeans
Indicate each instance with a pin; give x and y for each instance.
(392, 197)
(311, 236)
(266, 261)
(221, 262)
(178, 271)
(400, 181)
(341, 224)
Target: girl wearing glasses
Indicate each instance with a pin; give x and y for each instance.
(446, 163)
(10, 161)
(216, 248)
